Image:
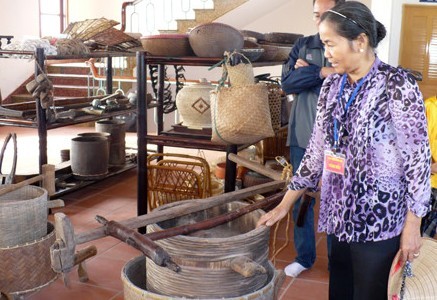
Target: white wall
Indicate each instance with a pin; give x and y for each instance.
(19, 23)
(277, 16)
(79, 10)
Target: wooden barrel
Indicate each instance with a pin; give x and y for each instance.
(117, 146)
(206, 257)
(27, 267)
(89, 157)
(23, 216)
(134, 276)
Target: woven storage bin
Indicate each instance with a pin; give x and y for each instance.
(27, 267)
(175, 177)
(271, 147)
(275, 97)
(23, 216)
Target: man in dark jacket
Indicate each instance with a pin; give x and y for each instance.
(302, 76)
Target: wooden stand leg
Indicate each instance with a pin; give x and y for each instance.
(231, 169)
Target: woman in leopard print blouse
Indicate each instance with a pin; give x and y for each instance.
(370, 151)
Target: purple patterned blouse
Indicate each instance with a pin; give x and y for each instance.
(385, 143)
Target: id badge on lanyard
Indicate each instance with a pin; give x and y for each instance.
(334, 162)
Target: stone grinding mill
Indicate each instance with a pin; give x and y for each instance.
(194, 249)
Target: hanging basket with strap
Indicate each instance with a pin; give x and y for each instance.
(240, 113)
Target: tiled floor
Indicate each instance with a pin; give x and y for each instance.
(115, 199)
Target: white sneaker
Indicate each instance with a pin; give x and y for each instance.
(294, 269)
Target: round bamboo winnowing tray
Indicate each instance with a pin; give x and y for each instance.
(27, 267)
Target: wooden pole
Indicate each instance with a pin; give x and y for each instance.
(215, 221)
(189, 206)
(275, 175)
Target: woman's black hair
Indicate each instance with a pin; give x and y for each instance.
(336, 2)
(353, 18)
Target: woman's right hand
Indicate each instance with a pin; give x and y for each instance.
(272, 216)
(281, 210)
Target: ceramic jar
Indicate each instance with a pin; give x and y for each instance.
(193, 104)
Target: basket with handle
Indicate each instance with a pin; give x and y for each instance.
(174, 177)
(239, 69)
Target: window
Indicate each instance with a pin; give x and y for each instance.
(53, 17)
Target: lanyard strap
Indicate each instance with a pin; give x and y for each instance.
(348, 104)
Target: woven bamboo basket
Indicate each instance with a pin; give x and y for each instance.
(175, 177)
(116, 38)
(27, 268)
(271, 147)
(275, 97)
(87, 29)
(23, 216)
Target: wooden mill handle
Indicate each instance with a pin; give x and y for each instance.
(47, 178)
(12, 187)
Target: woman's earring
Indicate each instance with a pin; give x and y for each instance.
(361, 50)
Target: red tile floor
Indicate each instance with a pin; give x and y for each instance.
(115, 199)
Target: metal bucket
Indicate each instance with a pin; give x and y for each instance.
(117, 147)
(89, 157)
(23, 216)
(133, 276)
(207, 257)
(27, 267)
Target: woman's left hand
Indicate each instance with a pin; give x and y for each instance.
(411, 241)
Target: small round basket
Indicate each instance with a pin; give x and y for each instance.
(253, 34)
(275, 52)
(173, 45)
(283, 53)
(281, 37)
(253, 54)
(23, 216)
(213, 39)
(270, 52)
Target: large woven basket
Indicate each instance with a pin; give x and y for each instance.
(27, 267)
(213, 39)
(23, 216)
